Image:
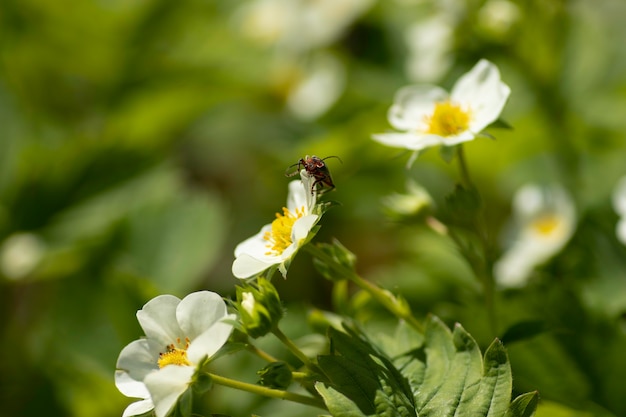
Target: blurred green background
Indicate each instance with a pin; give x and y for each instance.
(142, 140)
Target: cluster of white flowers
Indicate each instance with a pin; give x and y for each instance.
(182, 336)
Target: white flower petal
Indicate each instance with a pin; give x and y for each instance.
(620, 230)
(297, 196)
(514, 268)
(255, 244)
(198, 311)
(158, 319)
(528, 201)
(139, 358)
(429, 42)
(246, 266)
(411, 141)
(302, 227)
(167, 385)
(322, 84)
(210, 341)
(464, 136)
(412, 106)
(138, 408)
(483, 92)
(311, 197)
(129, 386)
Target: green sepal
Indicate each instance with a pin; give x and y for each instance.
(500, 124)
(266, 311)
(339, 255)
(201, 382)
(447, 153)
(184, 405)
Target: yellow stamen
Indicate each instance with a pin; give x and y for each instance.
(448, 119)
(279, 237)
(174, 355)
(546, 224)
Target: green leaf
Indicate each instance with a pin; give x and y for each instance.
(494, 394)
(462, 206)
(449, 377)
(357, 381)
(367, 377)
(404, 340)
(456, 380)
(338, 404)
(439, 352)
(523, 406)
(463, 199)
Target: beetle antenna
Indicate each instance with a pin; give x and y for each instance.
(333, 156)
(291, 174)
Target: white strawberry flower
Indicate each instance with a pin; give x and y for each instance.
(545, 220)
(277, 243)
(427, 115)
(180, 336)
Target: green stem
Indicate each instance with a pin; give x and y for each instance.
(465, 176)
(484, 271)
(267, 392)
(261, 354)
(294, 349)
(300, 376)
(382, 296)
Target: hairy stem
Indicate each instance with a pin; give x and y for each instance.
(384, 297)
(267, 392)
(295, 350)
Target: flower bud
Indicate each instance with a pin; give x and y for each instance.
(259, 307)
(414, 204)
(275, 375)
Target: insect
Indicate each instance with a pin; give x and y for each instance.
(316, 168)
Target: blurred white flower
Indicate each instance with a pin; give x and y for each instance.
(278, 242)
(299, 25)
(20, 254)
(320, 85)
(545, 220)
(428, 116)
(429, 44)
(619, 204)
(415, 202)
(180, 336)
(498, 16)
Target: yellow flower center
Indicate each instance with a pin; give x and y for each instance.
(448, 119)
(546, 224)
(279, 238)
(174, 355)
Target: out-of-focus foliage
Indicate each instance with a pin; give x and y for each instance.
(142, 140)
